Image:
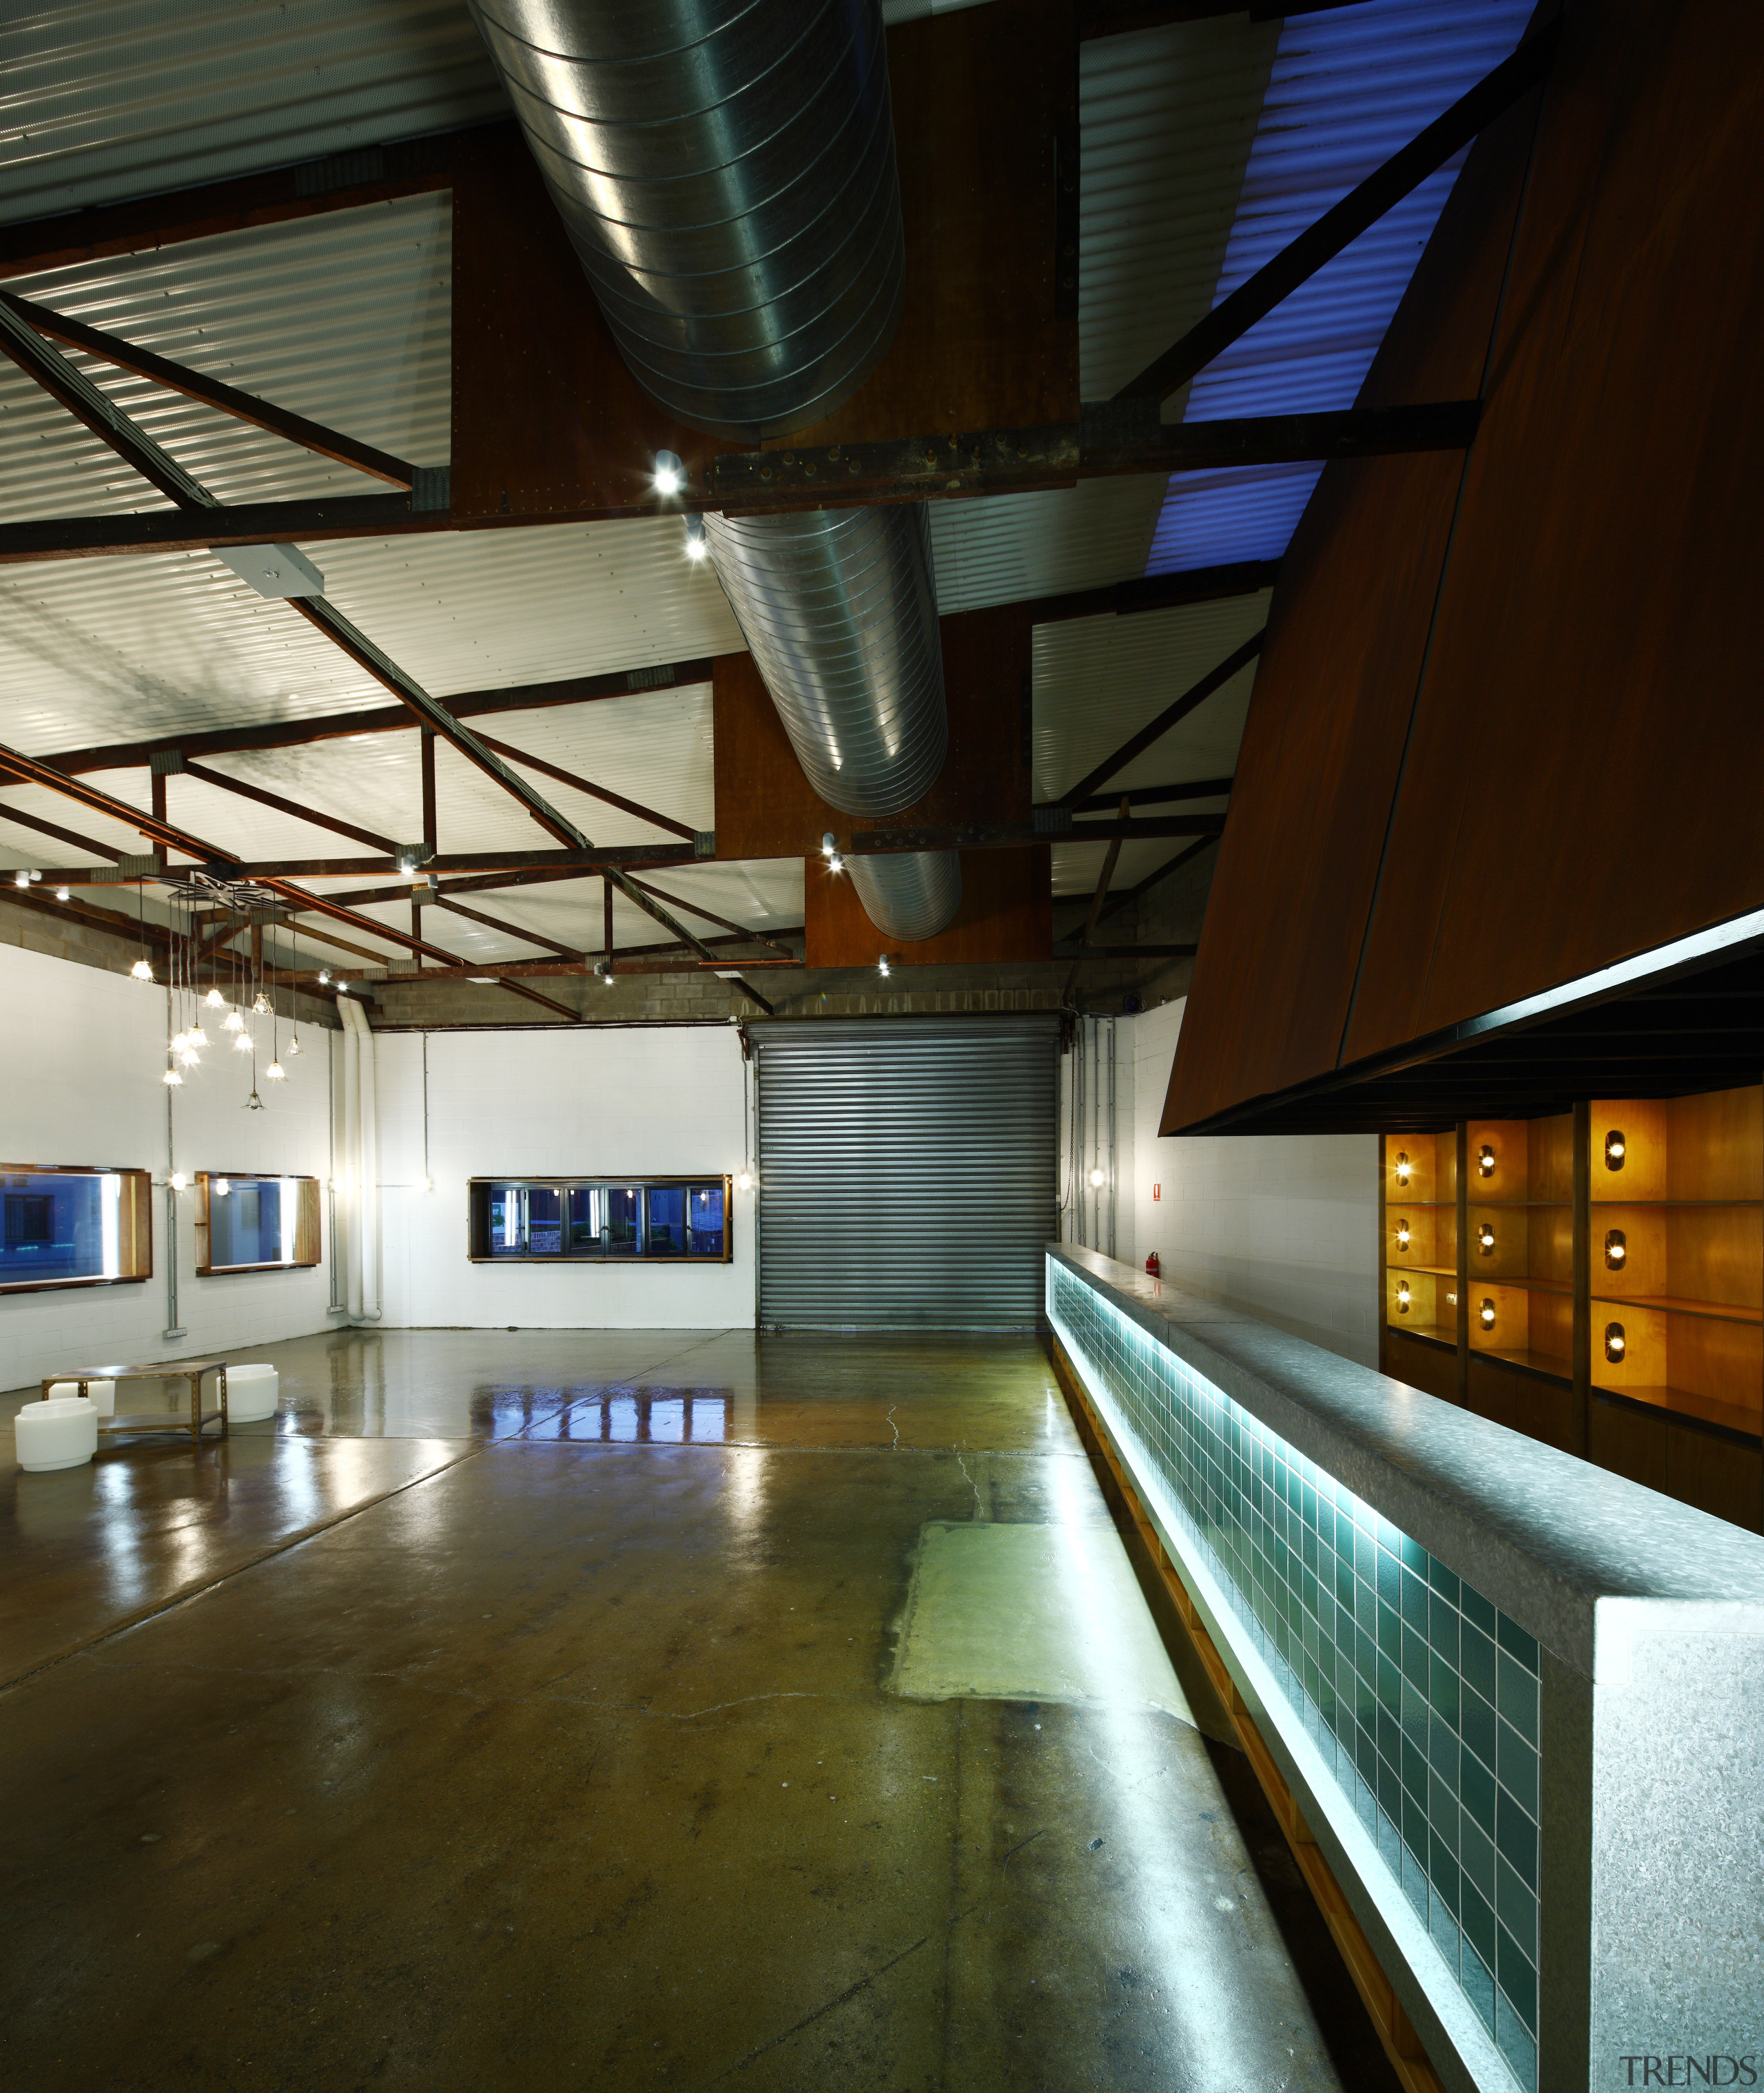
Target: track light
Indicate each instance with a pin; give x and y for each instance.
(696, 546)
(882, 967)
(670, 473)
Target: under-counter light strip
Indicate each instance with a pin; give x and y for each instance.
(1637, 968)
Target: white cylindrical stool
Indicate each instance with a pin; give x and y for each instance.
(103, 1393)
(62, 1431)
(251, 1391)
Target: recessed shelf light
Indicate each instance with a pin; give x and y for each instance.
(1615, 1148)
(1616, 1249)
(1402, 1297)
(1486, 1313)
(1485, 1238)
(1614, 1345)
(1485, 1161)
(1403, 1167)
(1403, 1235)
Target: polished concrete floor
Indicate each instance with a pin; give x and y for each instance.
(628, 1709)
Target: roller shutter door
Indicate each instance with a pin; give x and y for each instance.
(908, 1171)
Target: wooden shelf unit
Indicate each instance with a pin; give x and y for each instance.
(1596, 1282)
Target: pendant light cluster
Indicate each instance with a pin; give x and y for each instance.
(241, 990)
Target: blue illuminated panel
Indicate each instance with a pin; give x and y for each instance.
(1421, 1697)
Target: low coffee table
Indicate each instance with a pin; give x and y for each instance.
(156, 1421)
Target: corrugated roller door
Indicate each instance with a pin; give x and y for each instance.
(908, 1171)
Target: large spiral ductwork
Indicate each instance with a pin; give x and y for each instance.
(727, 174)
(840, 611)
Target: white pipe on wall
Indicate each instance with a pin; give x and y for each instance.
(361, 1164)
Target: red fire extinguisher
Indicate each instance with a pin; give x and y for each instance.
(1152, 1265)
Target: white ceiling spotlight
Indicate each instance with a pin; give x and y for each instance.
(697, 545)
(670, 472)
(829, 850)
(883, 966)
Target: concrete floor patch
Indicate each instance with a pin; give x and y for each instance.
(1031, 1613)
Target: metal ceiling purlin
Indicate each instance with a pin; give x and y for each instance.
(1348, 88)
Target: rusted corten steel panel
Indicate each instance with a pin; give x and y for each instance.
(1583, 781)
(1572, 777)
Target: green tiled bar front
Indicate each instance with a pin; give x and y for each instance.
(1516, 1697)
(1421, 1696)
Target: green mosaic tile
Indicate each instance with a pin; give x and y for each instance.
(1421, 1695)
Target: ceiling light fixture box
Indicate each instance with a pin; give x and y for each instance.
(275, 571)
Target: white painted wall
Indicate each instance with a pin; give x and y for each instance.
(1282, 1227)
(81, 1055)
(664, 1100)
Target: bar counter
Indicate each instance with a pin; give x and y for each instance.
(1520, 1700)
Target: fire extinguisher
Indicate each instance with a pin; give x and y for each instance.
(1152, 1265)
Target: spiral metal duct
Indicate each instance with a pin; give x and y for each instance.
(840, 611)
(726, 172)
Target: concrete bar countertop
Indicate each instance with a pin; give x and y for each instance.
(1579, 1558)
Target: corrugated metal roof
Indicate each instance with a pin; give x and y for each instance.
(346, 318)
(1349, 87)
(1167, 119)
(1099, 679)
(1002, 548)
(119, 649)
(116, 98)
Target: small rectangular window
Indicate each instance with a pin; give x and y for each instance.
(255, 1224)
(72, 1227)
(596, 1220)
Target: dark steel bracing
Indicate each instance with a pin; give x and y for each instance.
(1155, 729)
(726, 177)
(211, 392)
(1361, 207)
(384, 719)
(1095, 913)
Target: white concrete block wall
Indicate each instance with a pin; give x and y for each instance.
(1285, 1227)
(664, 1100)
(81, 1055)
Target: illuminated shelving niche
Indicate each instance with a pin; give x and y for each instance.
(1614, 1309)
